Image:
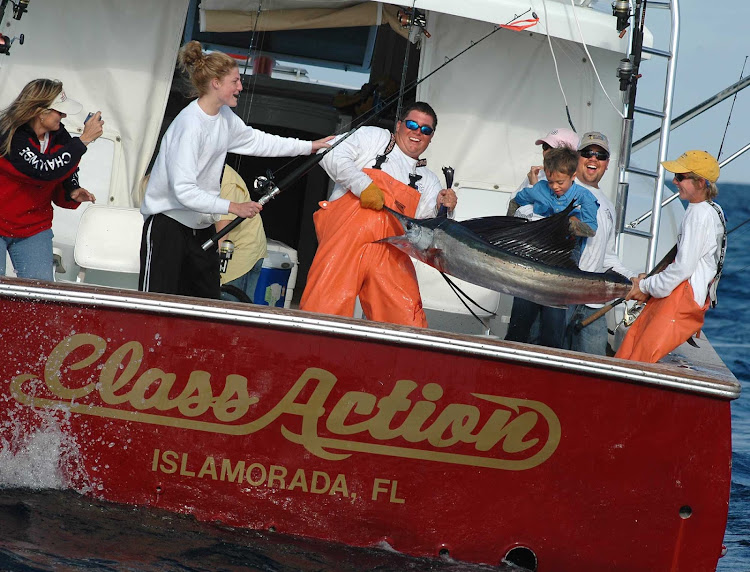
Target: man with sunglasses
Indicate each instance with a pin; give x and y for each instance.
(599, 253)
(373, 168)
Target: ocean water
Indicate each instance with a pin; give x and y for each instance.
(728, 328)
(43, 529)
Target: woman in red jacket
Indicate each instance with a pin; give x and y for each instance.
(38, 166)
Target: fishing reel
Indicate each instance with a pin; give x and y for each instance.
(266, 187)
(409, 18)
(621, 10)
(630, 314)
(226, 250)
(6, 43)
(262, 183)
(626, 73)
(20, 8)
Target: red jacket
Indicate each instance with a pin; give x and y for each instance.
(30, 181)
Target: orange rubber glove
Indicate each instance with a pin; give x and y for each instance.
(372, 197)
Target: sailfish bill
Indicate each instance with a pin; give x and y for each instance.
(531, 260)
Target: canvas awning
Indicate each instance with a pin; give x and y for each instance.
(226, 16)
(241, 15)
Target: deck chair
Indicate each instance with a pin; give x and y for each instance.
(108, 240)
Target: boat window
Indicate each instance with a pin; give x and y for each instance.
(343, 48)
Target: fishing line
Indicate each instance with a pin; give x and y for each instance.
(736, 271)
(591, 61)
(273, 190)
(739, 225)
(726, 127)
(730, 232)
(456, 290)
(252, 50)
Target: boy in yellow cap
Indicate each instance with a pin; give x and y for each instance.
(681, 293)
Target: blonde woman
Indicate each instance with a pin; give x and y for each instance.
(38, 167)
(182, 199)
(679, 295)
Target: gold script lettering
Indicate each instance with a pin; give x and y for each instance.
(499, 437)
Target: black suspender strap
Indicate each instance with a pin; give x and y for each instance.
(714, 284)
(380, 159)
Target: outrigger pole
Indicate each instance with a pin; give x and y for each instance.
(272, 189)
(695, 111)
(673, 196)
(687, 116)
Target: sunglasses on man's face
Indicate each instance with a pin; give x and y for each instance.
(589, 153)
(413, 126)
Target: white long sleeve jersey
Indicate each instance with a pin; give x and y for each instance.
(185, 180)
(698, 250)
(599, 254)
(344, 165)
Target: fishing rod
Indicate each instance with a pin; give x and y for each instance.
(663, 263)
(272, 189)
(410, 20)
(252, 54)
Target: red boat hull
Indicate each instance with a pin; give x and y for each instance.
(328, 429)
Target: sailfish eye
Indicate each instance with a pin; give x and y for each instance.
(409, 225)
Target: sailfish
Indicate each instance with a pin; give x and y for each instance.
(531, 260)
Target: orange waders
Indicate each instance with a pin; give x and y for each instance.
(663, 325)
(348, 264)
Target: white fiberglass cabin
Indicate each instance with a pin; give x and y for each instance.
(494, 98)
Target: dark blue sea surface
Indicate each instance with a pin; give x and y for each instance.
(728, 328)
(43, 529)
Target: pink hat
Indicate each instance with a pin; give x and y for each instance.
(560, 138)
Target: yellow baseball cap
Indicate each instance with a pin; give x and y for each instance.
(699, 162)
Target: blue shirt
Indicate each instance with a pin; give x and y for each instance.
(547, 203)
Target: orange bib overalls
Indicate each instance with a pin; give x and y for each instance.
(348, 264)
(663, 325)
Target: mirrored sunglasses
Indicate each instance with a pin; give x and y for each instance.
(413, 126)
(589, 153)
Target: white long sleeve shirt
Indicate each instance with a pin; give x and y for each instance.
(698, 251)
(599, 254)
(185, 180)
(344, 165)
